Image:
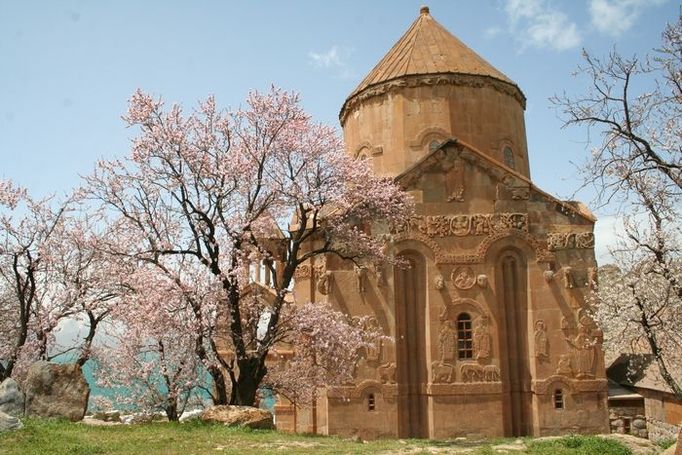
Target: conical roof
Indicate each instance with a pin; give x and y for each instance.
(428, 48)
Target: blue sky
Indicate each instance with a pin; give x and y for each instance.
(68, 67)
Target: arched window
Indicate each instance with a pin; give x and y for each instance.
(509, 157)
(558, 399)
(371, 402)
(464, 337)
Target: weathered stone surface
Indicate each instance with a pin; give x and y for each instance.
(638, 446)
(8, 422)
(640, 424)
(56, 390)
(242, 416)
(11, 398)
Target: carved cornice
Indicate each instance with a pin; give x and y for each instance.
(419, 80)
(475, 388)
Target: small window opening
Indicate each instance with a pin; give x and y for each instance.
(465, 349)
(626, 425)
(558, 399)
(371, 403)
(509, 157)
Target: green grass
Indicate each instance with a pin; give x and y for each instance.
(56, 437)
(577, 445)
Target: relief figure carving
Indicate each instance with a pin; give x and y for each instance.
(541, 341)
(474, 372)
(463, 277)
(447, 340)
(481, 338)
(583, 347)
(442, 372)
(387, 373)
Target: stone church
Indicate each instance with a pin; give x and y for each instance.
(488, 331)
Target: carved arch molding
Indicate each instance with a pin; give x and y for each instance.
(441, 256)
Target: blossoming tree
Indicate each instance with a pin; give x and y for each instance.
(50, 270)
(218, 193)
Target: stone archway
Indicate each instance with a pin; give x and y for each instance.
(412, 372)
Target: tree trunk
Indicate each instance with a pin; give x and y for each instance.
(251, 372)
(172, 411)
(220, 390)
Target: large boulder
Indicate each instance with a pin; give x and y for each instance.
(56, 390)
(242, 416)
(8, 422)
(11, 398)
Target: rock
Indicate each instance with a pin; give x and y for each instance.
(107, 416)
(11, 398)
(89, 420)
(640, 424)
(56, 390)
(191, 415)
(8, 422)
(242, 416)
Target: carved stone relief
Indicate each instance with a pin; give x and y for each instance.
(570, 240)
(443, 256)
(302, 272)
(564, 366)
(387, 373)
(482, 281)
(481, 338)
(583, 351)
(454, 183)
(475, 372)
(541, 341)
(439, 282)
(324, 282)
(442, 373)
(463, 277)
(447, 341)
(464, 225)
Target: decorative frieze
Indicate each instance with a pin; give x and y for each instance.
(570, 240)
(462, 225)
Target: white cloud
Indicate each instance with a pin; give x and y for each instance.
(327, 59)
(492, 32)
(334, 58)
(614, 17)
(537, 23)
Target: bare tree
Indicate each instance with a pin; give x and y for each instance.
(634, 106)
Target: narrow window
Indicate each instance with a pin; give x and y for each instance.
(558, 399)
(626, 425)
(509, 157)
(464, 337)
(371, 403)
